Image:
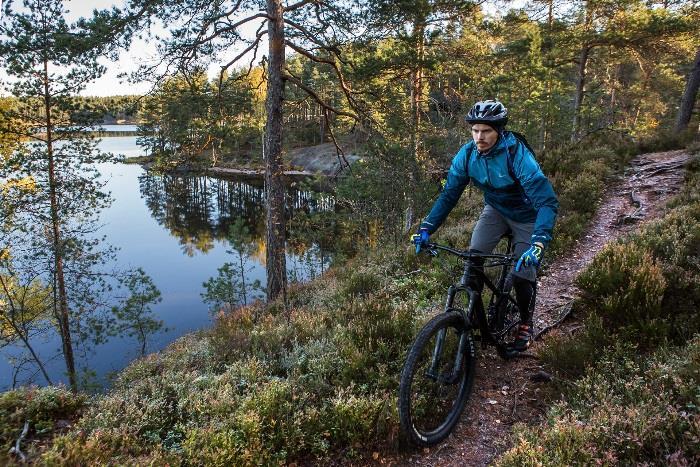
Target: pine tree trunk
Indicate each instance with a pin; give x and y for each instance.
(416, 107)
(580, 85)
(581, 74)
(689, 95)
(274, 187)
(62, 315)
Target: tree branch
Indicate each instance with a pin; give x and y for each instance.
(346, 90)
(338, 150)
(253, 45)
(311, 37)
(229, 28)
(316, 97)
(296, 6)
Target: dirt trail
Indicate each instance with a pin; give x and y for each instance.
(506, 392)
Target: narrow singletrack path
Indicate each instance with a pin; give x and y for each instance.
(508, 392)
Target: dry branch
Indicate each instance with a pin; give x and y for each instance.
(16, 450)
(253, 45)
(567, 307)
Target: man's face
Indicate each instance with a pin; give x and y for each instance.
(484, 136)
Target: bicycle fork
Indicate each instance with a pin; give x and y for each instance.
(466, 344)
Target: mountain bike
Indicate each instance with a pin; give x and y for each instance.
(438, 374)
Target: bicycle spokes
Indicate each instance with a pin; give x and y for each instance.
(436, 385)
(434, 372)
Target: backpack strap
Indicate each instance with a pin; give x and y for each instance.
(469, 150)
(520, 138)
(511, 158)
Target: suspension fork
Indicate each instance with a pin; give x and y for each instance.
(464, 339)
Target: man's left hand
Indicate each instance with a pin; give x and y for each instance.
(531, 257)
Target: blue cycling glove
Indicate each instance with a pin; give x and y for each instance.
(420, 238)
(531, 257)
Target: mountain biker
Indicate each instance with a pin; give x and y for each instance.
(518, 198)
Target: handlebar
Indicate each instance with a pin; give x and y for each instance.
(433, 249)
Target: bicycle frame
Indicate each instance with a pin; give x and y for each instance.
(473, 317)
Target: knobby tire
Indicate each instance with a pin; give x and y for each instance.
(428, 418)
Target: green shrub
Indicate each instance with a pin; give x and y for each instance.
(257, 389)
(361, 283)
(578, 174)
(43, 408)
(580, 193)
(569, 356)
(625, 411)
(648, 286)
(569, 228)
(624, 285)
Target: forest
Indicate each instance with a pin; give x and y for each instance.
(307, 371)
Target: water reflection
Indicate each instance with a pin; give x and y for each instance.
(199, 210)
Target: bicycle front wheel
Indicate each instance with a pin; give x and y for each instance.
(436, 380)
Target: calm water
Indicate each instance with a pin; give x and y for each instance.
(175, 229)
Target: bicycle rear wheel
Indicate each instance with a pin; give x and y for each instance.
(503, 315)
(436, 380)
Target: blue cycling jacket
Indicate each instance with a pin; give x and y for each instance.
(520, 191)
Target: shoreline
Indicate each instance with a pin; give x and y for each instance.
(147, 163)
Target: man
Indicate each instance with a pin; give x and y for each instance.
(518, 198)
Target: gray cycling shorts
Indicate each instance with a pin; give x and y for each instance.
(492, 225)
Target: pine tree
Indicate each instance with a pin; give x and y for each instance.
(50, 63)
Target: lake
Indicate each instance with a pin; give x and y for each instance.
(175, 228)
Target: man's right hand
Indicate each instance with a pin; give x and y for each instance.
(420, 238)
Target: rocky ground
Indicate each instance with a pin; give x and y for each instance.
(507, 392)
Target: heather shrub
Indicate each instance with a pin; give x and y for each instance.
(360, 284)
(624, 411)
(578, 174)
(648, 286)
(47, 410)
(581, 192)
(569, 356)
(624, 286)
(259, 388)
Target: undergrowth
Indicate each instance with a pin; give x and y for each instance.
(623, 411)
(45, 412)
(268, 385)
(630, 379)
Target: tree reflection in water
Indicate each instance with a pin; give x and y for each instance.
(200, 210)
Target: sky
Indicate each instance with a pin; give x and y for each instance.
(110, 83)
